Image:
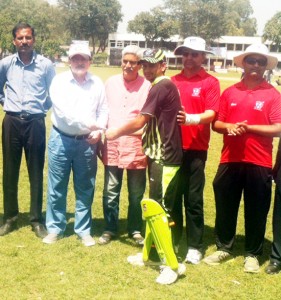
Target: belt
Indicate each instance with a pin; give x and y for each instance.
(25, 115)
(76, 137)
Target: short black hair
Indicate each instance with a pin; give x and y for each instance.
(22, 25)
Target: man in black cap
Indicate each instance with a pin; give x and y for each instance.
(162, 136)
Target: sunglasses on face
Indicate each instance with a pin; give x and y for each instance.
(252, 61)
(192, 54)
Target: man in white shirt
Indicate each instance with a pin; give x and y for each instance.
(79, 110)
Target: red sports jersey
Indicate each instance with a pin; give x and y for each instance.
(261, 106)
(198, 94)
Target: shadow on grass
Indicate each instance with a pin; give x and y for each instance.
(98, 228)
(239, 245)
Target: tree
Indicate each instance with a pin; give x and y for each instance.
(211, 19)
(91, 19)
(154, 25)
(204, 18)
(38, 13)
(239, 21)
(272, 30)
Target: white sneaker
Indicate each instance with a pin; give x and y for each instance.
(51, 238)
(88, 241)
(136, 260)
(181, 269)
(251, 264)
(167, 276)
(193, 256)
(217, 258)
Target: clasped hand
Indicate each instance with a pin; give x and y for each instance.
(238, 128)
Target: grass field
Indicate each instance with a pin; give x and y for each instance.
(67, 270)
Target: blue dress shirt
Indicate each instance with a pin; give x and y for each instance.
(26, 86)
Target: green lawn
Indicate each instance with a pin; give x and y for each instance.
(68, 270)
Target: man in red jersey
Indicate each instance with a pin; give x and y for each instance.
(249, 117)
(200, 93)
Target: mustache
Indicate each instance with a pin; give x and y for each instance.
(80, 66)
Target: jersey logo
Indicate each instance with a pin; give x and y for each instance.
(196, 92)
(259, 105)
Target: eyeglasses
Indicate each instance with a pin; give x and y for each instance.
(252, 61)
(192, 54)
(133, 63)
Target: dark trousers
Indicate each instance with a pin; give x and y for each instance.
(276, 245)
(231, 180)
(30, 135)
(136, 181)
(192, 182)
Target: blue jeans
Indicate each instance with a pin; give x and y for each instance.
(66, 154)
(136, 180)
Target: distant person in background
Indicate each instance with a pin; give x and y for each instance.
(268, 75)
(26, 77)
(200, 94)
(79, 110)
(249, 117)
(274, 265)
(126, 94)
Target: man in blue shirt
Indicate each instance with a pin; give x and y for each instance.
(26, 77)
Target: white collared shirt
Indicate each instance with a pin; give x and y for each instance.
(78, 106)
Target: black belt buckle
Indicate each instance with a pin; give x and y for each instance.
(81, 137)
(24, 116)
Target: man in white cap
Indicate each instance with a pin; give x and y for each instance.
(79, 110)
(200, 93)
(249, 117)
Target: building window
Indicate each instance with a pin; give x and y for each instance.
(238, 47)
(112, 43)
(119, 44)
(273, 48)
(230, 47)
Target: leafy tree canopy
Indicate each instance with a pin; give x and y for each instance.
(39, 14)
(272, 29)
(154, 25)
(209, 19)
(91, 19)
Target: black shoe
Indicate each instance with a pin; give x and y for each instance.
(273, 268)
(8, 227)
(40, 230)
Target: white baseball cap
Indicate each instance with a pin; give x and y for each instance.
(192, 43)
(79, 47)
(260, 49)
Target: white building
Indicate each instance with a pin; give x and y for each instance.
(225, 48)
